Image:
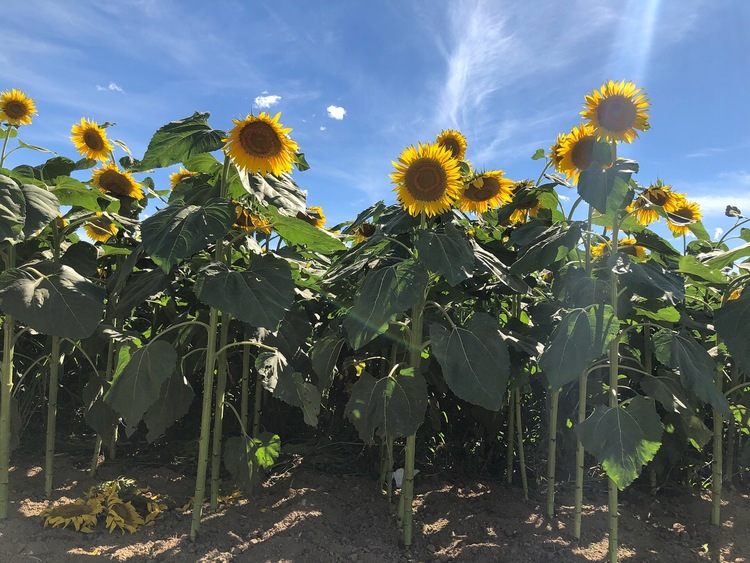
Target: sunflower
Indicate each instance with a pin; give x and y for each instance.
(318, 216)
(616, 110)
(736, 294)
(100, 229)
(657, 195)
(16, 107)
(111, 180)
(363, 231)
(248, 221)
(454, 141)
(628, 246)
(260, 144)
(576, 151)
(122, 515)
(486, 191)
(679, 218)
(179, 176)
(528, 207)
(427, 178)
(599, 249)
(91, 140)
(554, 150)
(81, 514)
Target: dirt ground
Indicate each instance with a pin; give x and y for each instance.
(303, 514)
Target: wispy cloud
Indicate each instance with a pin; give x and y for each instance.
(266, 100)
(112, 87)
(336, 112)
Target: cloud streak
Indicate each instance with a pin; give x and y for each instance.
(112, 87)
(336, 112)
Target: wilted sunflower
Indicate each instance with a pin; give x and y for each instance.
(122, 515)
(260, 144)
(736, 294)
(616, 110)
(16, 107)
(657, 195)
(100, 229)
(599, 249)
(81, 514)
(248, 221)
(628, 246)
(427, 178)
(576, 151)
(318, 216)
(91, 140)
(527, 208)
(486, 191)
(179, 176)
(111, 180)
(683, 215)
(454, 141)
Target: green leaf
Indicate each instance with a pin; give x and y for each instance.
(300, 162)
(138, 386)
(605, 327)
(174, 400)
(297, 392)
(696, 367)
(301, 233)
(732, 321)
(650, 280)
(258, 296)
(549, 246)
(538, 154)
(53, 299)
(487, 261)
(567, 354)
(324, 354)
(658, 312)
(721, 259)
(391, 406)
(41, 208)
(667, 391)
(12, 210)
(694, 268)
(607, 189)
(280, 192)
(98, 415)
(180, 140)
(623, 439)
(244, 456)
(70, 191)
(474, 359)
(384, 293)
(178, 231)
(448, 253)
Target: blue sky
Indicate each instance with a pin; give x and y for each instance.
(360, 81)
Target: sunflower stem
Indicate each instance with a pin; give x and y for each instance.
(510, 439)
(95, 457)
(521, 455)
(552, 452)
(614, 370)
(245, 383)
(6, 390)
(54, 365)
(221, 385)
(717, 476)
(5, 144)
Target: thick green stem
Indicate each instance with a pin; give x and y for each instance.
(6, 390)
(580, 456)
(389, 465)
(54, 364)
(245, 390)
(208, 385)
(614, 371)
(716, 465)
(95, 457)
(258, 402)
(221, 386)
(510, 438)
(552, 452)
(521, 456)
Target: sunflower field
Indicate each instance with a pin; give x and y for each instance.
(484, 317)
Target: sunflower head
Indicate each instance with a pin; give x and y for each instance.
(179, 176)
(527, 207)
(682, 216)
(248, 221)
(617, 111)
(16, 107)
(82, 515)
(91, 140)
(657, 195)
(122, 515)
(113, 181)
(427, 178)
(576, 151)
(600, 249)
(485, 191)
(628, 246)
(554, 152)
(454, 141)
(260, 144)
(100, 229)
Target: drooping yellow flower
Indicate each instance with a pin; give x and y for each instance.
(16, 107)
(179, 176)
(554, 152)
(628, 245)
(111, 180)
(527, 208)
(122, 515)
(91, 140)
(100, 229)
(599, 249)
(486, 191)
(657, 195)
(617, 111)
(260, 144)
(80, 514)
(318, 216)
(576, 151)
(362, 232)
(683, 215)
(248, 221)
(736, 294)
(454, 141)
(427, 178)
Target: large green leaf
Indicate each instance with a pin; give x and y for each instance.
(244, 457)
(179, 140)
(623, 438)
(732, 321)
(696, 269)
(384, 293)
(605, 327)
(567, 354)
(12, 210)
(548, 247)
(720, 259)
(650, 280)
(391, 406)
(178, 231)
(53, 299)
(98, 415)
(258, 296)
(487, 261)
(273, 366)
(173, 402)
(139, 383)
(41, 208)
(297, 392)
(475, 361)
(447, 253)
(280, 192)
(606, 189)
(70, 191)
(324, 354)
(301, 233)
(697, 369)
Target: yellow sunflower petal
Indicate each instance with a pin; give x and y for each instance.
(113, 181)
(575, 152)
(617, 111)
(454, 141)
(488, 191)
(91, 140)
(16, 107)
(259, 144)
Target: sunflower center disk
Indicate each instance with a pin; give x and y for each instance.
(658, 197)
(259, 139)
(93, 140)
(426, 180)
(115, 183)
(489, 189)
(15, 110)
(452, 146)
(617, 113)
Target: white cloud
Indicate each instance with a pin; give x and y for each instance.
(718, 232)
(266, 101)
(322, 128)
(336, 112)
(112, 87)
